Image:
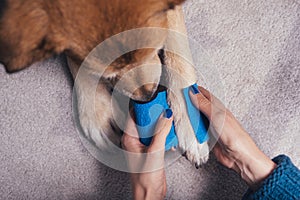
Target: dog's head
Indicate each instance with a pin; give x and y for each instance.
(33, 30)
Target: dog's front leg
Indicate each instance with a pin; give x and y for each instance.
(94, 109)
(179, 73)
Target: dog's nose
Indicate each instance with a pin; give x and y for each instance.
(145, 92)
(149, 89)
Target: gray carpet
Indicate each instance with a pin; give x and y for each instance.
(254, 45)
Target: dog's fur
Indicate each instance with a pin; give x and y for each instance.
(32, 30)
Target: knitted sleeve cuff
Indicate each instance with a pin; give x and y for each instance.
(283, 182)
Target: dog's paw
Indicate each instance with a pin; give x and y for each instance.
(197, 153)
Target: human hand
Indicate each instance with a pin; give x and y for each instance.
(235, 149)
(147, 162)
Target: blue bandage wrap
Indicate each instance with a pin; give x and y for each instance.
(147, 114)
(196, 118)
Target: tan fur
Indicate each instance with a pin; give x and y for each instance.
(32, 30)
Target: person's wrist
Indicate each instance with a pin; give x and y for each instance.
(147, 191)
(138, 191)
(141, 193)
(248, 160)
(254, 167)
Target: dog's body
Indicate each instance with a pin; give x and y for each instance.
(34, 30)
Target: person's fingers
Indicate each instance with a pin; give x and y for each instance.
(132, 144)
(156, 150)
(201, 102)
(162, 129)
(223, 158)
(206, 93)
(130, 138)
(218, 151)
(130, 127)
(214, 100)
(208, 104)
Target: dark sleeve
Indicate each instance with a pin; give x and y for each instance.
(282, 184)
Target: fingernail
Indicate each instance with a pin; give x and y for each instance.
(195, 89)
(168, 113)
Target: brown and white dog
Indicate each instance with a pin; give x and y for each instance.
(32, 30)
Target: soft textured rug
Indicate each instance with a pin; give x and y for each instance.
(254, 45)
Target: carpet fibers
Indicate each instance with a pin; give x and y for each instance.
(253, 45)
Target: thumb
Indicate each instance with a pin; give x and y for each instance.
(201, 102)
(162, 129)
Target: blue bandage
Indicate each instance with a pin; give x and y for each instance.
(196, 118)
(147, 114)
